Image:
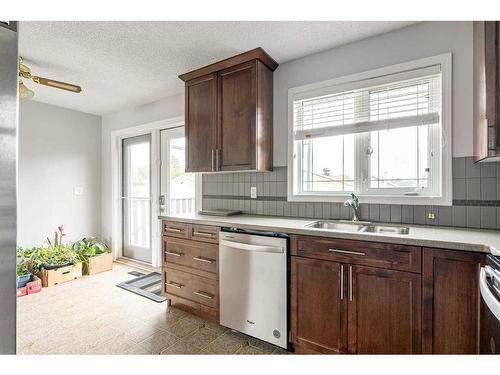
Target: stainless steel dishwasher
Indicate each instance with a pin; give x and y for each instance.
(253, 274)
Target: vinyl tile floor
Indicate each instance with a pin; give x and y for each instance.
(93, 316)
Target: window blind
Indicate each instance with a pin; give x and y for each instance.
(371, 106)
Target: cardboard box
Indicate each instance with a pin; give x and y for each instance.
(99, 263)
(34, 285)
(60, 275)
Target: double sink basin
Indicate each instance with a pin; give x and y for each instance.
(359, 227)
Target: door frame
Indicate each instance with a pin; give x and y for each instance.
(117, 136)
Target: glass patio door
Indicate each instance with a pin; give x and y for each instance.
(136, 198)
(177, 188)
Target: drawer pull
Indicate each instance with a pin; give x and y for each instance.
(174, 254)
(347, 252)
(204, 260)
(204, 295)
(203, 234)
(175, 230)
(174, 285)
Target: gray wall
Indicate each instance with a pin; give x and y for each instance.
(476, 198)
(162, 109)
(414, 42)
(59, 149)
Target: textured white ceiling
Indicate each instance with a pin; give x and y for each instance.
(124, 64)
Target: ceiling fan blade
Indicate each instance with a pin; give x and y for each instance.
(56, 84)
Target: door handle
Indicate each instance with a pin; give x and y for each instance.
(347, 252)
(173, 253)
(248, 247)
(213, 160)
(341, 282)
(204, 295)
(174, 285)
(350, 283)
(204, 260)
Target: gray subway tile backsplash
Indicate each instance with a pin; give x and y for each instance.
(476, 197)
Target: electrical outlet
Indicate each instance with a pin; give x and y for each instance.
(431, 215)
(253, 192)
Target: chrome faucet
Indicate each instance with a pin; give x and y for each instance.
(354, 204)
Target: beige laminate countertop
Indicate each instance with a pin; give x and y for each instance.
(485, 241)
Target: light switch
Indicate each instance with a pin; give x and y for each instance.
(78, 190)
(253, 192)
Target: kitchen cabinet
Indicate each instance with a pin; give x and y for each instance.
(229, 114)
(451, 301)
(486, 91)
(340, 303)
(384, 311)
(190, 271)
(201, 99)
(318, 306)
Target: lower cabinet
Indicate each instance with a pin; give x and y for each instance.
(384, 311)
(451, 301)
(424, 301)
(342, 308)
(318, 306)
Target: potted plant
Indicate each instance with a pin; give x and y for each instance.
(95, 256)
(22, 272)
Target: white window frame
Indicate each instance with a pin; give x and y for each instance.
(382, 196)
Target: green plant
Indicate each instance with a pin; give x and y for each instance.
(89, 247)
(22, 267)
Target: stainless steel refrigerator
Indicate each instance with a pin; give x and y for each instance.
(8, 180)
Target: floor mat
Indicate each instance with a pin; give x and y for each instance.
(136, 273)
(148, 286)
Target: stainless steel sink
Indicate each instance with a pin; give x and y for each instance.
(359, 226)
(346, 227)
(385, 229)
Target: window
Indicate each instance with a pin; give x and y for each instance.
(380, 134)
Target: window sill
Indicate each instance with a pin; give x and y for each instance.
(374, 199)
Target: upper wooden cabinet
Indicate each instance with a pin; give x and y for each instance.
(229, 114)
(486, 91)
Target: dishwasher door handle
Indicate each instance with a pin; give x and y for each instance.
(248, 247)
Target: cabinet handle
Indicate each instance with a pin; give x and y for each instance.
(341, 282)
(204, 295)
(213, 160)
(347, 252)
(350, 283)
(175, 230)
(217, 157)
(174, 254)
(174, 285)
(203, 234)
(204, 260)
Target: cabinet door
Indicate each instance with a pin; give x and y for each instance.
(201, 123)
(451, 301)
(384, 311)
(486, 87)
(318, 306)
(237, 117)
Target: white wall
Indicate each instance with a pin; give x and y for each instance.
(414, 42)
(162, 109)
(59, 149)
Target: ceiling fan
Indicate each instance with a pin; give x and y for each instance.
(25, 72)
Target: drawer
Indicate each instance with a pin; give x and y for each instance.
(192, 287)
(174, 229)
(194, 254)
(374, 254)
(205, 233)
